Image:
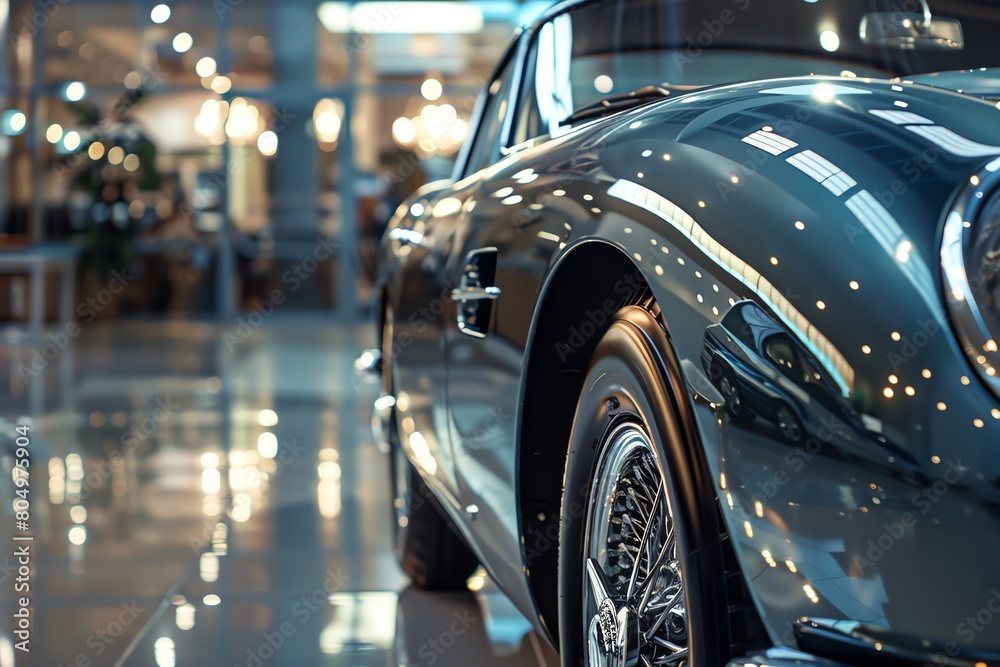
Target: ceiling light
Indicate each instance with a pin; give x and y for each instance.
(54, 133)
(205, 66)
(411, 18)
(829, 40)
(71, 140)
(431, 89)
(14, 122)
(221, 84)
(603, 83)
(267, 143)
(183, 41)
(75, 91)
(159, 14)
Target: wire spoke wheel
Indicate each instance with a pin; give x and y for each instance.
(633, 592)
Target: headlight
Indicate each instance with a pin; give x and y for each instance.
(970, 260)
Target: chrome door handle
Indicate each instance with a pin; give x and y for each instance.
(475, 293)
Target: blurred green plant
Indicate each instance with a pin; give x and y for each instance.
(106, 224)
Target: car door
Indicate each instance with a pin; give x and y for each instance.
(419, 320)
(422, 241)
(495, 280)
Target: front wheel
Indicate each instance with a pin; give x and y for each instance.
(633, 596)
(642, 572)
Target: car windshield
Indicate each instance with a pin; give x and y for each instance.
(613, 47)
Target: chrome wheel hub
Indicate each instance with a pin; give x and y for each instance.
(633, 592)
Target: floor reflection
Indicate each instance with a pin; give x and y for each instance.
(202, 502)
(349, 629)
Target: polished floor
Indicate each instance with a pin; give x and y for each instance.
(209, 495)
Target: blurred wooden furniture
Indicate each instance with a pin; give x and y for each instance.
(37, 261)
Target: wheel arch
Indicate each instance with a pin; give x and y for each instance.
(551, 384)
(556, 361)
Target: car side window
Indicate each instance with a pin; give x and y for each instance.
(546, 97)
(781, 353)
(486, 146)
(528, 122)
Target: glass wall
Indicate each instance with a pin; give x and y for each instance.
(222, 154)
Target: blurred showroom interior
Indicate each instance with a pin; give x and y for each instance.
(192, 195)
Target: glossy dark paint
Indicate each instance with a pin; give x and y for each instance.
(816, 534)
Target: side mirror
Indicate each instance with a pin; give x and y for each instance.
(911, 31)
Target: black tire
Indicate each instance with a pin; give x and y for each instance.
(629, 382)
(426, 544)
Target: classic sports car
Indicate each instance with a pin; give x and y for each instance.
(638, 168)
(762, 371)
